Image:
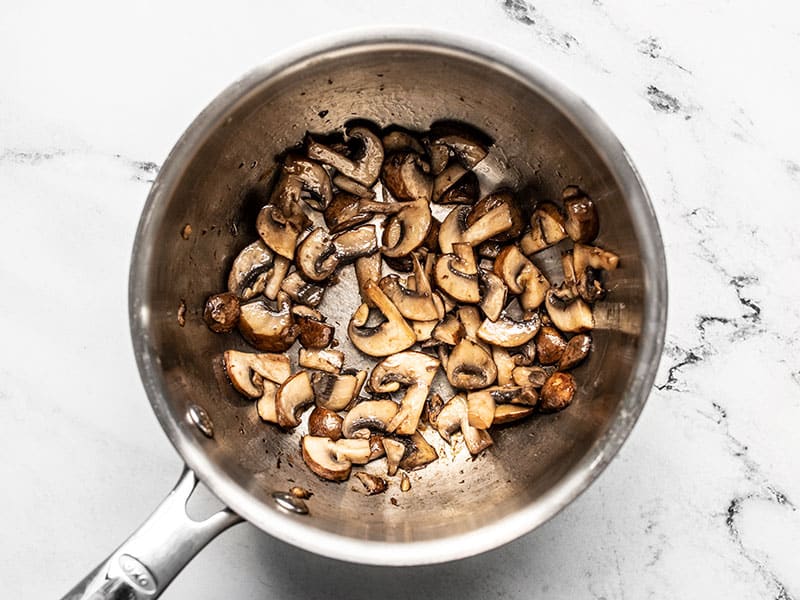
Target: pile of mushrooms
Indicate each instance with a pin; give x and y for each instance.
(463, 294)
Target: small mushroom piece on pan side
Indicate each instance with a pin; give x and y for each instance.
(373, 484)
(344, 212)
(276, 231)
(314, 178)
(576, 351)
(317, 258)
(493, 298)
(333, 460)
(509, 333)
(470, 366)
(323, 422)
(405, 176)
(391, 336)
(414, 371)
(457, 274)
(221, 312)
(248, 274)
(327, 360)
(242, 366)
(367, 417)
(508, 413)
(394, 454)
(582, 223)
(302, 291)
(550, 345)
(547, 229)
(365, 169)
(418, 454)
(454, 416)
(557, 392)
(337, 391)
(268, 329)
(293, 396)
(521, 276)
(492, 202)
(406, 231)
(569, 317)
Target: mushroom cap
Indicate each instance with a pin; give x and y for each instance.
(373, 484)
(317, 258)
(507, 332)
(319, 453)
(221, 312)
(368, 416)
(276, 231)
(469, 145)
(323, 422)
(576, 351)
(391, 336)
(267, 329)
(405, 231)
(582, 223)
(470, 366)
(337, 391)
(557, 392)
(248, 273)
(449, 331)
(313, 333)
(480, 409)
(521, 276)
(550, 345)
(293, 395)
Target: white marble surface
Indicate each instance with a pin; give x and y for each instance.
(702, 502)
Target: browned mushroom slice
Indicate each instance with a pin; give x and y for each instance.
(480, 409)
(376, 446)
(344, 212)
(508, 413)
(439, 155)
(452, 229)
(594, 257)
(277, 232)
(418, 454)
(350, 186)
(405, 176)
(550, 345)
(576, 351)
(582, 223)
(313, 331)
(557, 392)
(509, 333)
(265, 405)
(356, 243)
(590, 285)
(302, 291)
(527, 376)
(323, 422)
(317, 258)
(276, 276)
(457, 274)
(405, 231)
(242, 367)
(337, 391)
(492, 202)
(293, 396)
(414, 371)
(569, 317)
(547, 229)
(373, 484)
(333, 460)
(268, 329)
(391, 336)
(368, 268)
(397, 140)
(454, 416)
(248, 274)
(450, 331)
(467, 144)
(505, 365)
(470, 366)
(464, 191)
(470, 317)
(365, 169)
(493, 298)
(423, 330)
(447, 179)
(521, 276)
(417, 304)
(394, 454)
(369, 416)
(330, 361)
(314, 178)
(570, 276)
(221, 312)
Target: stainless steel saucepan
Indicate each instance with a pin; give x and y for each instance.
(215, 180)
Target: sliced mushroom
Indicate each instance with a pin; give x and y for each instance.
(464, 191)
(376, 449)
(557, 392)
(221, 312)
(242, 367)
(467, 144)
(570, 276)
(248, 274)
(302, 291)
(507, 332)
(356, 243)
(447, 179)
(457, 274)
(293, 396)
(345, 211)
(394, 454)
(594, 257)
(405, 176)
(265, 405)
(391, 336)
(480, 409)
(276, 276)
(313, 331)
(323, 422)
(470, 366)
(365, 169)
(416, 304)
(423, 330)
(582, 223)
(397, 140)
(439, 155)
(521, 276)
(456, 229)
(493, 298)
(507, 413)
(414, 371)
(418, 454)
(368, 268)
(317, 258)
(527, 376)
(471, 319)
(505, 365)
(373, 484)
(285, 197)
(590, 285)
(314, 178)
(268, 329)
(350, 186)
(526, 354)
(276, 231)
(337, 391)
(367, 417)
(575, 353)
(452, 229)
(547, 229)
(550, 345)
(405, 231)
(333, 460)
(454, 416)
(330, 361)
(450, 331)
(569, 317)
(492, 202)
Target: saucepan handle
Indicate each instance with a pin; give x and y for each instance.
(146, 563)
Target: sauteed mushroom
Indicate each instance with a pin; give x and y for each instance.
(547, 229)
(405, 176)
(323, 422)
(470, 366)
(582, 223)
(391, 336)
(415, 372)
(221, 312)
(367, 417)
(248, 274)
(293, 396)
(365, 169)
(268, 329)
(332, 460)
(337, 391)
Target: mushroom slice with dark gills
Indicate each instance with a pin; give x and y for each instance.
(454, 416)
(302, 291)
(503, 205)
(276, 276)
(582, 223)
(367, 417)
(576, 351)
(547, 229)
(470, 366)
(389, 337)
(467, 144)
(464, 190)
(414, 371)
(243, 367)
(456, 229)
(418, 304)
(457, 274)
(405, 176)
(315, 180)
(221, 312)
(333, 460)
(365, 168)
(316, 255)
(277, 231)
(493, 298)
(573, 316)
(249, 272)
(271, 330)
(406, 231)
(336, 391)
(313, 331)
(418, 453)
(294, 395)
(521, 276)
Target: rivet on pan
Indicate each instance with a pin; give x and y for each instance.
(291, 503)
(199, 416)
